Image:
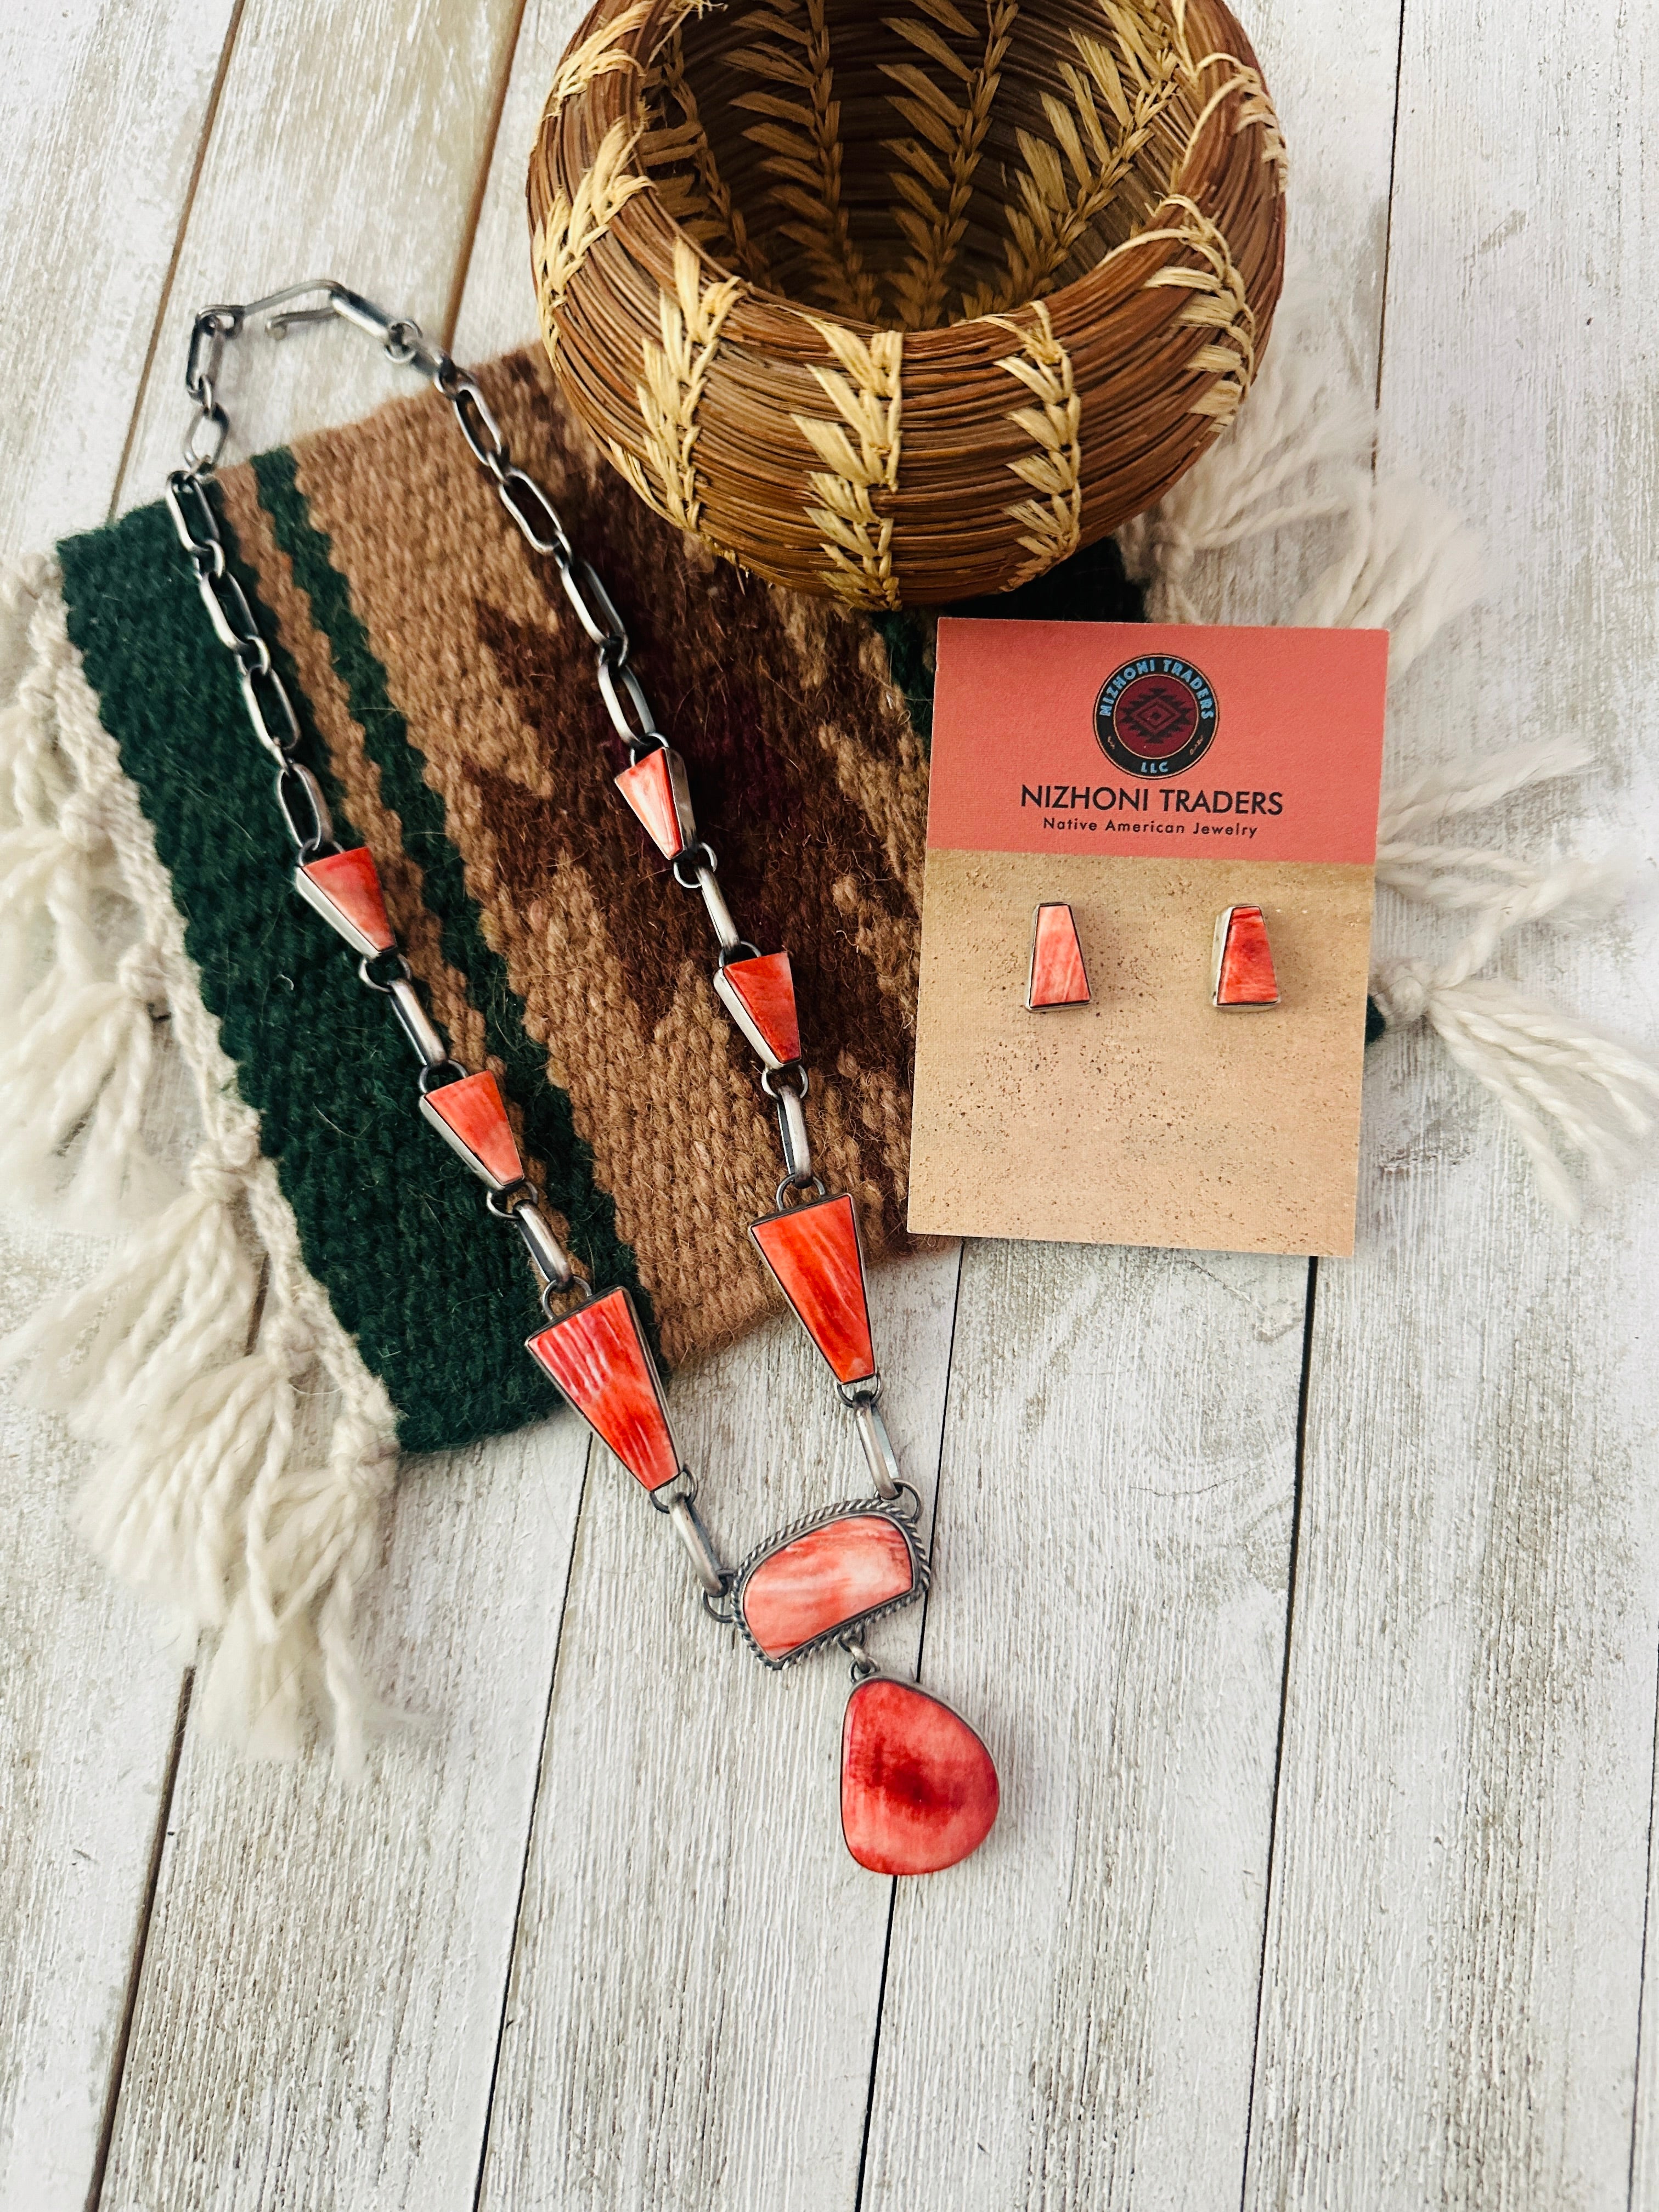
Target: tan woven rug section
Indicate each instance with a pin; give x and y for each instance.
(808, 780)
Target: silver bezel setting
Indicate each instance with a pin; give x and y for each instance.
(1218, 945)
(743, 1021)
(1055, 1005)
(680, 786)
(651, 1369)
(895, 1509)
(462, 1151)
(319, 902)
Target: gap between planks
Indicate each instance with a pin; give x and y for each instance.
(530, 1825)
(921, 1657)
(152, 1878)
(1309, 1300)
(226, 51)
(1299, 1493)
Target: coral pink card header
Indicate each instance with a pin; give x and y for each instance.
(1158, 737)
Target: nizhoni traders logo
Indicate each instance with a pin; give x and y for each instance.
(1157, 715)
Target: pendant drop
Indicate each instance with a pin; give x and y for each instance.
(918, 1789)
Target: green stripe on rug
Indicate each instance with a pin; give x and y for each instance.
(550, 1125)
(436, 1294)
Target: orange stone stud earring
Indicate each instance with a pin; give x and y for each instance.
(1058, 976)
(1244, 974)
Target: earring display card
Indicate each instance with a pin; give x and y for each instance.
(1150, 776)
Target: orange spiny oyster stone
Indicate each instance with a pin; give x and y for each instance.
(1058, 975)
(469, 1114)
(345, 889)
(655, 788)
(759, 996)
(1244, 966)
(599, 1358)
(813, 1251)
(918, 1789)
(824, 1579)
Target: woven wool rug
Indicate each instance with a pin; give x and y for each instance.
(325, 1289)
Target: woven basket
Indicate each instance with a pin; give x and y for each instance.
(906, 308)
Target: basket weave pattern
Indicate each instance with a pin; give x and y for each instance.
(906, 308)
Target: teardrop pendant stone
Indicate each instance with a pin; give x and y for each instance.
(918, 1789)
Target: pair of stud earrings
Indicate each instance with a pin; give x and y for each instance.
(1242, 969)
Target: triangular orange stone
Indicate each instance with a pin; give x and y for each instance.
(650, 788)
(1058, 975)
(345, 889)
(1244, 966)
(759, 996)
(598, 1358)
(813, 1251)
(469, 1115)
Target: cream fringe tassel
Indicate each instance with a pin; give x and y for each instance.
(1299, 453)
(205, 1352)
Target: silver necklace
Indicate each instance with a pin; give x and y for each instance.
(918, 1789)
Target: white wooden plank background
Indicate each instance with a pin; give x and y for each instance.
(1325, 1864)
(103, 112)
(1464, 1848)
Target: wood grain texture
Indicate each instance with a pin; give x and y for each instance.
(1450, 2013)
(349, 142)
(699, 1968)
(103, 104)
(1069, 2016)
(498, 308)
(323, 1981)
(86, 1718)
(91, 1696)
(1332, 70)
(88, 1715)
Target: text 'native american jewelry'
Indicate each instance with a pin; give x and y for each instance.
(1243, 973)
(1056, 976)
(918, 1789)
